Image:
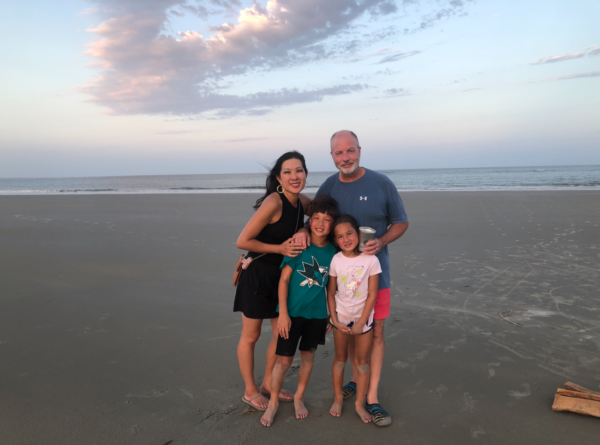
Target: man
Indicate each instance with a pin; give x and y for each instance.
(371, 198)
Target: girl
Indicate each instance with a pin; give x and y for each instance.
(351, 295)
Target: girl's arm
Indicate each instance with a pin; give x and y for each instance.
(264, 215)
(331, 290)
(284, 323)
(357, 328)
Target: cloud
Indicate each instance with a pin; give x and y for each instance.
(593, 51)
(145, 70)
(394, 92)
(177, 132)
(561, 58)
(398, 56)
(590, 51)
(245, 139)
(578, 75)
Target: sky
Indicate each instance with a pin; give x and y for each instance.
(150, 87)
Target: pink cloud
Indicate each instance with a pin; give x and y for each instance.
(143, 70)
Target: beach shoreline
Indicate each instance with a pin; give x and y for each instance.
(116, 322)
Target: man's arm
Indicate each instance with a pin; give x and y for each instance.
(394, 232)
(396, 215)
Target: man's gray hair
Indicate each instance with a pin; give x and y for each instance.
(336, 133)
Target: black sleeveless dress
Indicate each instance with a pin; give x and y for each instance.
(257, 295)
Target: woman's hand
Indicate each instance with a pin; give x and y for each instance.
(290, 248)
(302, 237)
(246, 262)
(284, 325)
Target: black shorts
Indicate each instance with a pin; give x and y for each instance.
(311, 330)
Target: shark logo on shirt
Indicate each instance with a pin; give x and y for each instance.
(313, 273)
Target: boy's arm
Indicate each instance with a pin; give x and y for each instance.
(369, 304)
(284, 323)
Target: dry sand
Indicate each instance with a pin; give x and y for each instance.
(116, 323)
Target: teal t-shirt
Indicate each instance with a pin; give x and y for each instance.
(310, 271)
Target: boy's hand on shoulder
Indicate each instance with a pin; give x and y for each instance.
(284, 324)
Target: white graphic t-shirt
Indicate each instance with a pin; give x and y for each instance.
(353, 281)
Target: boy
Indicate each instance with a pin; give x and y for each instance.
(303, 305)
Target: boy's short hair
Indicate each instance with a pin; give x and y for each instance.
(324, 204)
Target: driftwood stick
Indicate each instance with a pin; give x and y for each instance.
(575, 405)
(577, 395)
(505, 319)
(574, 387)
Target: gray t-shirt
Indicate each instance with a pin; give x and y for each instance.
(374, 201)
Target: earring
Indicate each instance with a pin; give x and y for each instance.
(279, 187)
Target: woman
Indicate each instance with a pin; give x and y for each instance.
(268, 237)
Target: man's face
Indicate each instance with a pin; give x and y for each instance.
(345, 153)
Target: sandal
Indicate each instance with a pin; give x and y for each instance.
(349, 390)
(281, 399)
(249, 402)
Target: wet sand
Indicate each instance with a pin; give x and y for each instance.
(116, 323)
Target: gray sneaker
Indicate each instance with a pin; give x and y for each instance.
(380, 416)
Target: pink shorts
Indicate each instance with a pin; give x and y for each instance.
(382, 304)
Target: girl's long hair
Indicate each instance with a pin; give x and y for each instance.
(275, 171)
(353, 223)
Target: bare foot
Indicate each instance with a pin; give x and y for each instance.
(336, 408)
(365, 416)
(284, 394)
(301, 411)
(269, 415)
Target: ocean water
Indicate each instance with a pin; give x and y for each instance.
(451, 179)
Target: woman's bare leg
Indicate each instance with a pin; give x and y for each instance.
(265, 388)
(361, 355)
(250, 334)
(340, 341)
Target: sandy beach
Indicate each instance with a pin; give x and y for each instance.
(116, 323)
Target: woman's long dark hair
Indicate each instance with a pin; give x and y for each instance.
(275, 171)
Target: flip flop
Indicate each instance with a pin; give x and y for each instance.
(281, 399)
(349, 390)
(249, 402)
